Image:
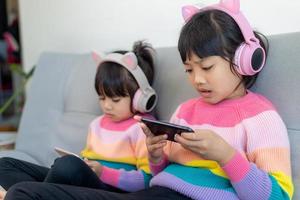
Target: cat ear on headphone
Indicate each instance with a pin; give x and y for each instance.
(97, 57)
(188, 11)
(130, 60)
(231, 5)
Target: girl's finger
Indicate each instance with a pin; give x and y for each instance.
(187, 142)
(192, 147)
(157, 146)
(146, 130)
(196, 136)
(159, 138)
(190, 136)
(137, 117)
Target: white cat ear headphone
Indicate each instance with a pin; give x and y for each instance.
(145, 98)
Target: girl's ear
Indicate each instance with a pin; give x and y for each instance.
(97, 57)
(231, 5)
(130, 60)
(188, 12)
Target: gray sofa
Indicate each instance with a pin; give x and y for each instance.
(61, 101)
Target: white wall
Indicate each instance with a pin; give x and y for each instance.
(104, 25)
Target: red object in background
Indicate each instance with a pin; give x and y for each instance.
(12, 47)
(11, 38)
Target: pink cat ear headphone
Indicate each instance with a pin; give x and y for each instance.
(145, 98)
(250, 56)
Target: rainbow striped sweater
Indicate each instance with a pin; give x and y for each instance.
(121, 149)
(260, 169)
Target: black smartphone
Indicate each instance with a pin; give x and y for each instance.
(161, 128)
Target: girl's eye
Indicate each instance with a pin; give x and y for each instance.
(207, 68)
(188, 71)
(115, 100)
(101, 98)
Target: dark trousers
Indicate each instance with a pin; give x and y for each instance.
(68, 170)
(50, 191)
(69, 178)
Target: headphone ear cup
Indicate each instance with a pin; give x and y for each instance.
(249, 59)
(144, 102)
(136, 99)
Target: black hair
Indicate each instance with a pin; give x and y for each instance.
(215, 33)
(114, 80)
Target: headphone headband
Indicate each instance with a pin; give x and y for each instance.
(238, 17)
(129, 61)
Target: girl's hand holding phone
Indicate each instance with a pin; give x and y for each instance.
(207, 144)
(155, 144)
(94, 165)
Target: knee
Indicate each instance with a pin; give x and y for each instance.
(6, 161)
(23, 190)
(67, 165)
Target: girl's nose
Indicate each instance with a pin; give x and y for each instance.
(199, 78)
(107, 105)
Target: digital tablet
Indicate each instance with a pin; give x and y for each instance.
(63, 152)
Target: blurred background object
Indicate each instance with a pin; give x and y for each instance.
(11, 80)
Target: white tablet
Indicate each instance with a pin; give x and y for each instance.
(63, 152)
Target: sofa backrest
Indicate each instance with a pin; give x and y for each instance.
(60, 104)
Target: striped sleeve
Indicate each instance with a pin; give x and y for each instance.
(158, 167)
(131, 181)
(266, 172)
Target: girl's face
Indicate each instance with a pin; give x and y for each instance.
(116, 108)
(213, 79)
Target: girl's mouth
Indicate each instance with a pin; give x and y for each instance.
(205, 93)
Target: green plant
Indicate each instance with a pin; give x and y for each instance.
(19, 90)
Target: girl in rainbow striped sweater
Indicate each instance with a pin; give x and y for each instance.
(240, 147)
(115, 148)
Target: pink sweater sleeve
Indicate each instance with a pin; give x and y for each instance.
(110, 176)
(237, 167)
(158, 167)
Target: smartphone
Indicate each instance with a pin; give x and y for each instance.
(63, 152)
(161, 128)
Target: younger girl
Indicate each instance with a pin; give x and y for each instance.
(240, 147)
(115, 156)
